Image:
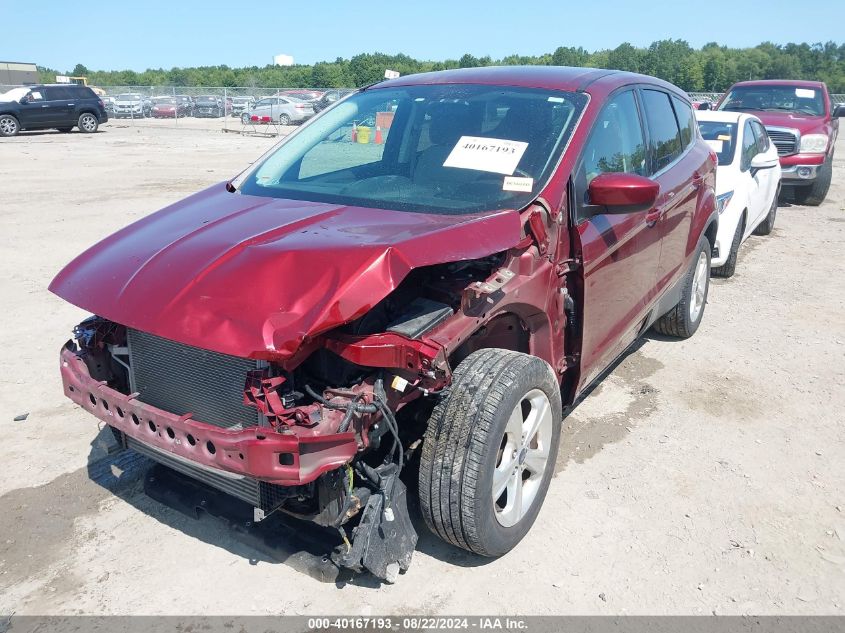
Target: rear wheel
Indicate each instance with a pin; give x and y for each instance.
(489, 451)
(683, 320)
(9, 125)
(284, 119)
(88, 123)
(815, 194)
(729, 267)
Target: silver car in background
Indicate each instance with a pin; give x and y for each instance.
(241, 105)
(132, 105)
(281, 110)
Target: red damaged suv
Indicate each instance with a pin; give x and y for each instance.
(436, 297)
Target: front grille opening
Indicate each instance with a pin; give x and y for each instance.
(286, 459)
(182, 379)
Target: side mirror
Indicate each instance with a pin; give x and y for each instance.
(839, 110)
(761, 161)
(705, 105)
(623, 193)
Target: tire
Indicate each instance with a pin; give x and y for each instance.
(88, 123)
(815, 194)
(729, 267)
(284, 119)
(9, 125)
(683, 320)
(471, 432)
(245, 118)
(768, 224)
(64, 130)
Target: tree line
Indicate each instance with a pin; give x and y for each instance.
(711, 68)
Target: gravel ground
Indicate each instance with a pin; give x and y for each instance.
(702, 476)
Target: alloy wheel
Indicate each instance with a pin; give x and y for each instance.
(522, 458)
(699, 287)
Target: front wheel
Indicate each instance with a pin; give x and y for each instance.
(88, 123)
(489, 451)
(729, 267)
(9, 125)
(768, 224)
(683, 320)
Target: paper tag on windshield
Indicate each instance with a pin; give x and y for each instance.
(805, 93)
(486, 154)
(716, 146)
(514, 183)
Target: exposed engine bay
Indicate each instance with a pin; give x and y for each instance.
(325, 439)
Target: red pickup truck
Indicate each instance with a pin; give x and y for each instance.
(803, 124)
(299, 335)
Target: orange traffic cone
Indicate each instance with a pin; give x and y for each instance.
(379, 139)
(354, 133)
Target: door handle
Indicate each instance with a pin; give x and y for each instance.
(71, 104)
(45, 105)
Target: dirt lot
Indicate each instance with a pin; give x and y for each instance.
(702, 476)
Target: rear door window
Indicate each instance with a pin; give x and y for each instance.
(57, 93)
(665, 136)
(686, 121)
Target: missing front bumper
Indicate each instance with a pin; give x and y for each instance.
(293, 457)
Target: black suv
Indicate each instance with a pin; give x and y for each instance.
(61, 106)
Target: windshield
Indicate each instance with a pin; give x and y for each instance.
(15, 94)
(775, 98)
(128, 97)
(721, 137)
(431, 148)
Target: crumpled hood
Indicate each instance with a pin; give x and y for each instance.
(254, 276)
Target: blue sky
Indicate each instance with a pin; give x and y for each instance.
(152, 34)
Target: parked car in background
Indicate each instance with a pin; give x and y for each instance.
(241, 105)
(132, 105)
(59, 106)
(281, 110)
(299, 335)
(108, 103)
(208, 106)
(329, 98)
(803, 124)
(169, 108)
(301, 94)
(747, 182)
(189, 103)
